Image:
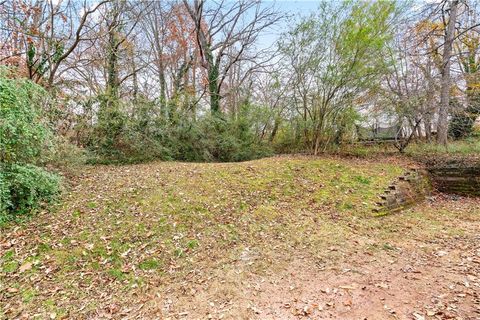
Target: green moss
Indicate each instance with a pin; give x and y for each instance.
(28, 295)
(10, 266)
(178, 253)
(192, 244)
(363, 180)
(116, 273)
(8, 255)
(91, 205)
(49, 304)
(53, 309)
(149, 264)
(76, 214)
(43, 248)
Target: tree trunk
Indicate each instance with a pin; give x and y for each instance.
(163, 83)
(275, 129)
(427, 125)
(213, 89)
(442, 126)
(135, 80)
(112, 72)
(419, 129)
(430, 103)
(316, 145)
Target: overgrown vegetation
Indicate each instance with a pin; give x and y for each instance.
(25, 140)
(146, 136)
(337, 56)
(465, 147)
(205, 91)
(164, 116)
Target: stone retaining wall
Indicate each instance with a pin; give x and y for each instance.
(410, 188)
(456, 178)
(453, 176)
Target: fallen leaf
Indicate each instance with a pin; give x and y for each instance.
(418, 316)
(307, 310)
(347, 287)
(442, 253)
(25, 267)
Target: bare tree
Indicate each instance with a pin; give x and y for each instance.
(225, 32)
(442, 126)
(47, 33)
(155, 24)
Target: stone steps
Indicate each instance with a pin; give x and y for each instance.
(408, 189)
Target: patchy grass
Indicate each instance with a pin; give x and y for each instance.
(144, 239)
(466, 147)
(360, 150)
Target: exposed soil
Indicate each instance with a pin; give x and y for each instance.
(435, 280)
(415, 279)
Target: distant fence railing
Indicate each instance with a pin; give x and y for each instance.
(379, 140)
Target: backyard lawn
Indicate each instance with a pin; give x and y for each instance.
(277, 238)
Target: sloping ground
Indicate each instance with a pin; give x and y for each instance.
(425, 266)
(278, 238)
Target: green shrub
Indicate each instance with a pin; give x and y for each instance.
(25, 141)
(216, 139)
(461, 125)
(5, 203)
(29, 186)
(24, 136)
(288, 140)
(462, 121)
(66, 155)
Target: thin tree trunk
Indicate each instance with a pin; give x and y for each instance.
(419, 129)
(135, 80)
(275, 129)
(427, 124)
(163, 83)
(213, 90)
(430, 104)
(112, 72)
(317, 145)
(442, 127)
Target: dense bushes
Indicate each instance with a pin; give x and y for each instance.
(25, 140)
(26, 186)
(123, 137)
(214, 138)
(5, 202)
(23, 135)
